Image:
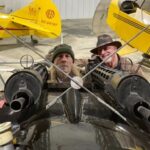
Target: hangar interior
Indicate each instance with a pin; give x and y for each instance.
(76, 30)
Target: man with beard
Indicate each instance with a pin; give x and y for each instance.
(106, 47)
(63, 57)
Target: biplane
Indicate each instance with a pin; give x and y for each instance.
(39, 18)
(128, 19)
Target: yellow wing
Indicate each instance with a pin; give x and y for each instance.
(40, 18)
(27, 23)
(127, 49)
(128, 24)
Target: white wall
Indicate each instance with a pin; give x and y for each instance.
(69, 9)
(12, 5)
(75, 9)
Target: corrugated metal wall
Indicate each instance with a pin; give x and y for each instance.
(12, 5)
(75, 9)
(69, 9)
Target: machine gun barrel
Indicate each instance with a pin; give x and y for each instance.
(103, 76)
(24, 87)
(18, 104)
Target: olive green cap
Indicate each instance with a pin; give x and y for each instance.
(62, 48)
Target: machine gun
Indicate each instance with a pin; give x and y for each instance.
(21, 100)
(131, 92)
(25, 93)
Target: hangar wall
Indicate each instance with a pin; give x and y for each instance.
(69, 9)
(76, 9)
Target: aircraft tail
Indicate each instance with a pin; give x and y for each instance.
(42, 14)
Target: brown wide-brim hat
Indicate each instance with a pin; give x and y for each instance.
(105, 40)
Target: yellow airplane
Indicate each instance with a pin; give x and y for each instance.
(127, 19)
(39, 18)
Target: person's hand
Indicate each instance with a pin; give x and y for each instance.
(2, 103)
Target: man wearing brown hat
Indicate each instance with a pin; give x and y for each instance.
(106, 47)
(63, 57)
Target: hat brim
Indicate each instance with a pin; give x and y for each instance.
(115, 43)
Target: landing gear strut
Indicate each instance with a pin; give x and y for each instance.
(34, 41)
